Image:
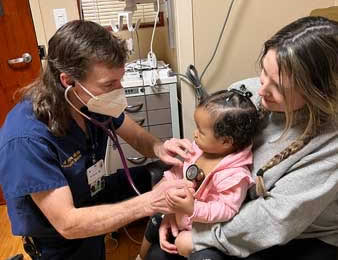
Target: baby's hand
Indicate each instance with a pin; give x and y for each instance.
(181, 201)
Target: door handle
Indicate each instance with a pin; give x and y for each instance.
(26, 58)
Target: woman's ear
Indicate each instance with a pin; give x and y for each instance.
(66, 80)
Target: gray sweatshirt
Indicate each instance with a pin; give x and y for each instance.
(303, 193)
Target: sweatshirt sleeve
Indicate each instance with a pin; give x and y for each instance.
(295, 202)
(224, 207)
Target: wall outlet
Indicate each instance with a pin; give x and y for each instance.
(60, 17)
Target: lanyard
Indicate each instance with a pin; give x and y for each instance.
(92, 142)
(111, 133)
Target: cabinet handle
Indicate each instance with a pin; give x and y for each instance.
(140, 121)
(137, 160)
(134, 108)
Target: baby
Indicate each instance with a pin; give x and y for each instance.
(226, 122)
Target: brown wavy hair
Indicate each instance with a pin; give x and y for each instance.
(307, 55)
(73, 49)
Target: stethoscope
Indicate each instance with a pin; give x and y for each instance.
(194, 173)
(110, 133)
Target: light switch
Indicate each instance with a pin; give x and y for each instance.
(60, 17)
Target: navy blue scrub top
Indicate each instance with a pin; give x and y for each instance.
(34, 160)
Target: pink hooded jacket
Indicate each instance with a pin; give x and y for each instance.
(223, 190)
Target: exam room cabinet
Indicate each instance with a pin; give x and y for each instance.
(155, 109)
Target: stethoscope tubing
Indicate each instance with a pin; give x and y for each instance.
(112, 135)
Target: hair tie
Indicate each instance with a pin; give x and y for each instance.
(248, 94)
(260, 186)
(244, 91)
(260, 172)
(230, 96)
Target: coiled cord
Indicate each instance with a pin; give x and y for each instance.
(191, 74)
(193, 79)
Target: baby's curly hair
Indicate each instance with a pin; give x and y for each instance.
(234, 116)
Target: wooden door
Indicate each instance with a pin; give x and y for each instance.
(17, 40)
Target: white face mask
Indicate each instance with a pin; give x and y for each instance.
(112, 103)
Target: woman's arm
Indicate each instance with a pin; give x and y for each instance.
(57, 205)
(138, 137)
(151, 146)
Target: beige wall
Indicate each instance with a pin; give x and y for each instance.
(43, 17)
(251, 23)
(160, 44)
(197, 27)
(42, 12)
(185, 56)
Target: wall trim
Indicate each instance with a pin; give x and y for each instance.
(185, 56)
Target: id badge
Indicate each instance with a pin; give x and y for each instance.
(95, 178)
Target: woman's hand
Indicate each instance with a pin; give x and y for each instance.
(181, 200)
(167, 151)
(168, 227)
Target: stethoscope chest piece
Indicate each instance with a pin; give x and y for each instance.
(194, 173)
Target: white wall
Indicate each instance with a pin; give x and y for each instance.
(250, 24)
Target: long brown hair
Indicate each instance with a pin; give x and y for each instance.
(73, 49)
(307, 53)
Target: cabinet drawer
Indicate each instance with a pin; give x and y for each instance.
(139, 117)
(133, 158)
(161, 131)
(161, 116)
(136, 104)
(158, 101)
(122, 141)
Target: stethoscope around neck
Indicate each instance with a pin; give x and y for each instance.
(108, 127)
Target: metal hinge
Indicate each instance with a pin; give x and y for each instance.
(42, 51)
(1, 9)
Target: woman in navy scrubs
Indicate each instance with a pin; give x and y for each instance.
(52, 156)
